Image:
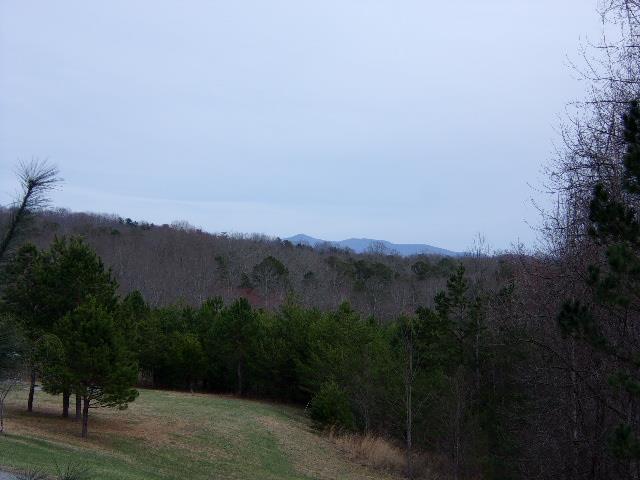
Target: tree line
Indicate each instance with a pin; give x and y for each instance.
(168, 264)
(400, 378)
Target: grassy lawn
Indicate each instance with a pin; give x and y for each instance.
(169, 435)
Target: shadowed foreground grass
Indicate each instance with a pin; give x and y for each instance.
(169, 435)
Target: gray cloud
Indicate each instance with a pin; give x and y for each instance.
(413, 121)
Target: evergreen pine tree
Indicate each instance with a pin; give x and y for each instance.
(608, 321)
(100, 367)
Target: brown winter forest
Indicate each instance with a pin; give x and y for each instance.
(180, 263)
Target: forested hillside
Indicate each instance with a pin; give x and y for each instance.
(179, 263)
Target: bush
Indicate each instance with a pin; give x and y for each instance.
(32, 475)
(73, 471)
(373, 450)
(330, 407)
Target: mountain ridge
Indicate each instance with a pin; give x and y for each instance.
(362, 245)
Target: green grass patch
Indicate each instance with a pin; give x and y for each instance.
(169, 435)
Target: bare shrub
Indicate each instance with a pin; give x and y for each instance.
(371, 449)
(381, 454)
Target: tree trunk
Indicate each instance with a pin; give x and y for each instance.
(239, 373)
(574, 412)
(85, 417)
(457, 424)
(66, 395)
(78, 407)
(1, 415)
(408, 403)
(14, 222)
(477, 354)
(32, 390)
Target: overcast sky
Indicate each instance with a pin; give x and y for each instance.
(411, 121)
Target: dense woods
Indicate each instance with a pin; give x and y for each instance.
(400, 377)
(179, 263)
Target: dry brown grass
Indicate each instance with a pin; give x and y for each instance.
(379, 453)
(324, 460)
(370, 449)
(136, 424)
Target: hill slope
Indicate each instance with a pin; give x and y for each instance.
(363, 245)
(169, 435)
(170, 264)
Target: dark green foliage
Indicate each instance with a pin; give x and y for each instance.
(577, 321)
(365, 271)
(350, 369)
(50, 357)
(101, 366)
(129, 315)
(71, 272)
(73, 471)
(245, 281)
(624, 443)
(445, 266)
(12, 347)
(421, 269)
(81, 339)
(187, 357)
(270, 267)
(42, 287)
(270, 276)
(604, 323)
(170, 349)
(21, 296)
(309, 278)
(98, 365)
(457, 350)
(236, 330)
(330, 407)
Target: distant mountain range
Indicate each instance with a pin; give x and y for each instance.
(361, 245)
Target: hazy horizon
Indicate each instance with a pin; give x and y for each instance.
(401, 121)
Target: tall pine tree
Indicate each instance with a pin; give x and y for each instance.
(99, 365)
(608, 320)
